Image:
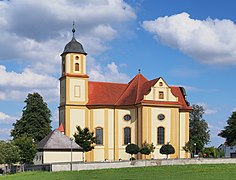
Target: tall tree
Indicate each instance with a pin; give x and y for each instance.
(229, 132)
(27, 149)
(35, 121)
(199, 134)
(85, 139)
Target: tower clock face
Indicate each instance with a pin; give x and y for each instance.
(161, 117)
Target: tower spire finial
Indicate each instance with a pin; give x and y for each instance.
(139, 70)
(73, 30)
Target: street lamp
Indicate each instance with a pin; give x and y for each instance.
(71, 140)
(195, 150)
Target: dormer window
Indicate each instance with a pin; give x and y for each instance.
(76, 66)
(161, 95)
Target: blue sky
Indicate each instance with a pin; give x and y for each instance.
(188, 43)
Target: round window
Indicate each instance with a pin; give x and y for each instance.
(161, 117)
(127, 117)
(76, 57)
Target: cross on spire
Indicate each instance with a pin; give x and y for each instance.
(73, 30)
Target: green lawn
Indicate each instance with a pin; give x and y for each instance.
(219, 171)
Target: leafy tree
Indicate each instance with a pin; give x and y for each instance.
(85, 139)
(27, 149)
(132, 149)
(9, 153)
(167, 149)
(151, 147)
(199, 134)
(219, 153)
(2, 157)
(229, 132)
(147, 148)
(35, 120)
(209, 152)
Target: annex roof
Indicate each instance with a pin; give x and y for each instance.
(55, 140)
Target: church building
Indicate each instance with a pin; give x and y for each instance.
(139, 111)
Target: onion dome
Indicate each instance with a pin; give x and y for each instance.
(74, 46)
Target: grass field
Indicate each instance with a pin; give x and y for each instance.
(219, 171)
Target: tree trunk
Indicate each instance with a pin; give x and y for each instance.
(145, 160)
(83, 157)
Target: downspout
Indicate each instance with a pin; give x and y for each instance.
(179, 135)
(137, 129)
(114, 148)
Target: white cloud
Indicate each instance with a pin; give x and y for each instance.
(17, 85)
(55, 116)
(208, 110)
(196, 89)
(46, 17)
(26, 79)
(215, 129)
(210, 41)
(40, 28)
(35, 33)
(108, 73)
(5, 133)
(6, 119)
(105, 32)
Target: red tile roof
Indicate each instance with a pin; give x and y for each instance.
(118, 94)
(97, 90)
(133, 92)
(61, 128)
(177, 92)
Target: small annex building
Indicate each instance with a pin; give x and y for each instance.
(57, 147)
(139, 111)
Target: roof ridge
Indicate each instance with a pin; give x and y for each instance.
(129, 84)
(139, 87)
(122, 94)
(137, 94)
(108, 82)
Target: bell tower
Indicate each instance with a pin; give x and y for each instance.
(73, 85)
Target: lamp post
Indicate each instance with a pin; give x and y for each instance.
(195, 150)
(71, 139)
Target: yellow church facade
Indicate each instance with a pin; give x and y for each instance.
(139, 111)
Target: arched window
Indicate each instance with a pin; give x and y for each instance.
(160, 135)
(99, 136)
(127, 135)
(76, 66)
